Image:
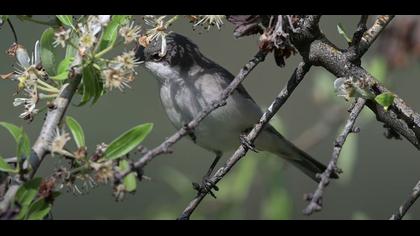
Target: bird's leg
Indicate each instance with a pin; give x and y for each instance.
(206, 184)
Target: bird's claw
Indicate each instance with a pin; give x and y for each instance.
(206, 186)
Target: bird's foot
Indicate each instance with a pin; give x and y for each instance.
(206, 186)
(246, 143)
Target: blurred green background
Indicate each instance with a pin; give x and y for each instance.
(378, 173)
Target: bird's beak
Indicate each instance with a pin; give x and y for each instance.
(140, 53)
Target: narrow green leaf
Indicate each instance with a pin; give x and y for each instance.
(24, 146)
(27, 192)
(48, 52)
(22, 213)
(109, 35)
(130, 183)
(92, 85)
(70, 50)
(13, 130)
(385, 99)
(76, 130)
(127, 141)
(6, 167)
(343, 33)
(60, 77)
(66, 20)
(38, 210)
(64, 65)
(21, 138)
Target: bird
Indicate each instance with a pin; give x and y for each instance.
(189, 82)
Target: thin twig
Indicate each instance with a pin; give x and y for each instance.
(360, 30)
(188, 128)
(285, 93)
(13, 30)
(373, 32)
(398, 215)
(315, 199)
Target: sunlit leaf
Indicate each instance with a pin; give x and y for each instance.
(127, 141)
(385, 99)
(76, 130)
(343, 33)
(111, 31)
(66, 20)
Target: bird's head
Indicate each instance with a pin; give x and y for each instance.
(180, 56)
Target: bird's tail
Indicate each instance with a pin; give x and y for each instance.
(310, 166)
(279, 145)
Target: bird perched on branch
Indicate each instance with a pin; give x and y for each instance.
(189, 82)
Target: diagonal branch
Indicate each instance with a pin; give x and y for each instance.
(188, 128)
(372, 34)
(285, 93)
(398, 215)
(315, 199)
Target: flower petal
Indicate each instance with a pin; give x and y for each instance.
(22, 57)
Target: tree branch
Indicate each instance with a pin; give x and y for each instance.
(315, 199)
(41, 146)
(398, 215)
(372, 34)
(285, 93)
(319, 51)
(188, 128)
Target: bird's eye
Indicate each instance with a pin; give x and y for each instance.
(156, 57)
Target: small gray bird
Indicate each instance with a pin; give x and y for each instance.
(189, 82)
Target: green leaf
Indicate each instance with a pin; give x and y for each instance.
(76, 130)
(13, 130)
(70, 50)
(60, 77)
(130, 183)
(127, 141)
(63, 69)
(27, 192)
(48, 52)
(343, 33)
(21, 138)
(92, 85)
(110, 33)
(385, 99)
(38, 210)
(66, 20)
(23, 147)
(6, 167)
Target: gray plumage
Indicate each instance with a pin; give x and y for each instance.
(189, 82)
